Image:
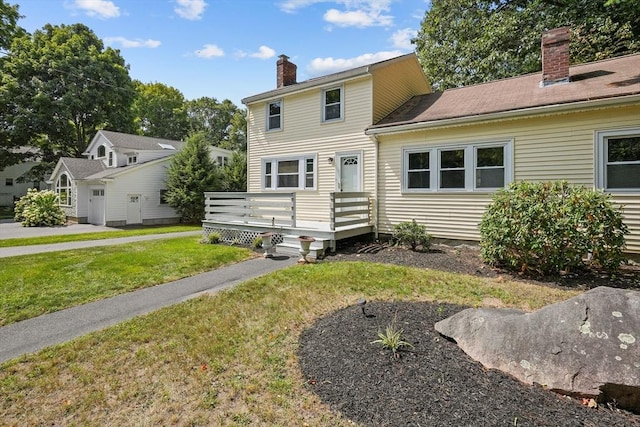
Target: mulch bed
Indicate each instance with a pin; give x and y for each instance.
(433, 383)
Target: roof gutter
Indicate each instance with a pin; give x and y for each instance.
(504, 115)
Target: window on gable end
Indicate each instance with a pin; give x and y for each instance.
(274, 115)
(102, 151)
(63, 190)
(332, 105)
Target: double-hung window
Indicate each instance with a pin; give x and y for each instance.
(471, 167)
(274, 115)
(297, 173)
(618, 155)
(332, 104)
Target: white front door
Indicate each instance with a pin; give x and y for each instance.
(96, 206)
(134, 212)
(349, 172)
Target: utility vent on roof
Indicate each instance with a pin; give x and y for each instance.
(167, 146)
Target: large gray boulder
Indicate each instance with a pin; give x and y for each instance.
(586, 346)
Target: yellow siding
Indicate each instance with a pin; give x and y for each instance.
(304, 133)
(545, 148)
(396, 83)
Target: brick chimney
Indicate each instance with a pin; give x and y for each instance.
(286, 71)
(555, 56)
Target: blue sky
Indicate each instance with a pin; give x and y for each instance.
(227, 49)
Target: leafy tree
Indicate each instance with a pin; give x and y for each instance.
(58, 87)
(192, 172)
(464, 42)
(9, 28)
(234, 173)
(160, 111)
(222, 122)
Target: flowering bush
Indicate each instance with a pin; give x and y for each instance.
(38, 209)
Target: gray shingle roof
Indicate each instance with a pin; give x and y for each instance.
(137, 142)
(82, 168)
(610, 78)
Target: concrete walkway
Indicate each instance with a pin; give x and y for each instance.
(35, 334)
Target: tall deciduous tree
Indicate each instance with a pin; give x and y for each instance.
(9, 28)
(59, 87)
(160, 111)
(464, 42)
(192, 172)
(223, 122)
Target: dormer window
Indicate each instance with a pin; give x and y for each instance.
(332, 104)
(132, 160)
(102, 151)
(274, 115)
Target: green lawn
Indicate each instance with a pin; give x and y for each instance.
(227, 359)
(45, 240)
(42, 283)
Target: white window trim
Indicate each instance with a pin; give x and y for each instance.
(268, 115)
(68, 189)
(601, 158)
(324, 105)
(302, 172)
(470, 162)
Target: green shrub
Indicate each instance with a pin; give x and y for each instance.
(38, 209)
(411, 234)
(549, 227)
(212, 238)
(257, 242)
(391, 338)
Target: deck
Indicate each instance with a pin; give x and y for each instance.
(242, 217)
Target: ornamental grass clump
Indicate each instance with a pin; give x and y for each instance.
(551, 227)
(412, 234)
(391, 338)
(39, 209)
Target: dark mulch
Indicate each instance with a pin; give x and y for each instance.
(433, 383)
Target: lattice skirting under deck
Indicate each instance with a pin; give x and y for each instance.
(237, 237)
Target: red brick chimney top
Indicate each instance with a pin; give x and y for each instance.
(555, 56)
(286, 71)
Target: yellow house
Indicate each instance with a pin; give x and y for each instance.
(377, 134)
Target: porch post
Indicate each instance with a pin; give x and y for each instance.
(332, 211)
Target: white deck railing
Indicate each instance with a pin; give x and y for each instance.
(279, 209)
(270, 209)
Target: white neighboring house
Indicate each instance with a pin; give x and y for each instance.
(10, 186)
(120, 182)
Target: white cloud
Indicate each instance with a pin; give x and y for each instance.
(322, 66)
(99, 8)
(209, 51)
(264, 52)
(291, 6)
(190, 9)
(401, 39)
(354, 13)
(126, 43)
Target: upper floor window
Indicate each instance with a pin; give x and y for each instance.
(110, 158)
(472, 167)
(274, 115)
(132, 160)
(289, 173)
(332, 104)
(102, 151)
(618, 155)
(8, 182)
(63, 189)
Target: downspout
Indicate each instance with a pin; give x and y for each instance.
(376, 150)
